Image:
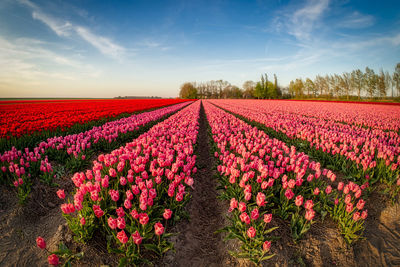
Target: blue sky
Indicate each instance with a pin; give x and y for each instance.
(87, 48)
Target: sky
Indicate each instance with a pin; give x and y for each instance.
(93, 48)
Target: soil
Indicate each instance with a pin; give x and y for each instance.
(20, 225)
(381, 246)
(196, 243)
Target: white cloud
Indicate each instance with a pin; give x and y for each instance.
(25, 61)
(103, 44)
(356, 20)
(377, 41)
(302, 22)
(65, 28)
(150, 44)
(154, 45)
(60, 28)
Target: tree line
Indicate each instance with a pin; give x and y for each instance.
(349, 85)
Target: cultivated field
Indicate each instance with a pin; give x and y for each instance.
(196, 183)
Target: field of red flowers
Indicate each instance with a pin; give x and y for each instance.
(223, 182)
(26, 117)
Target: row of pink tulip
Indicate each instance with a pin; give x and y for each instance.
(263, 177)
(18, 166)
(383, 117)
(133, 193)
(374, 153)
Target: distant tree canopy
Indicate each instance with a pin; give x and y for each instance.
(266, 89)
(223, 89)
(354, 85)
(188, 91)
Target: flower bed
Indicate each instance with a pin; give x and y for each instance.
(364, 154)
(17, 167)
(132, 195)
(262, 177)
(26, 117)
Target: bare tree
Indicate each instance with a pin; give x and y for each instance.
(389, 82)
(396, 78)
(346, 83)
(370, 81)
(248, 87)
(380, 84)
(309, 86)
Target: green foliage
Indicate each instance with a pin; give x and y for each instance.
(188, 91)
(299, 226)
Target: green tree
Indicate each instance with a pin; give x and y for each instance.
(271, 91)
(236, 92)
(291, 89)
(299, 88)
(259, 91)
(188, 91)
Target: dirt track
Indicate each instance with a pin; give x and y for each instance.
(197, 244)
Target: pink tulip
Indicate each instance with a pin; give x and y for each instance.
(309, 214)
(251, 232)
(266, 245)
(122, 237)
(167, 214)
(267, 218)
(137, 239)
(158, 228)
(299, 200)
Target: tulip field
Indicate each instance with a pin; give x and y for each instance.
(125, 174)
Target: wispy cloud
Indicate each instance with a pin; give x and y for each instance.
(150, 44)
(385, 40)
(64, 28)
(356, 20)
(103, 44)
(27, 61)
(154, 45)
(300, 22)
(60, 28)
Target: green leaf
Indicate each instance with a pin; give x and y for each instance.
(79, 255)
(270, 230)
(223, 230)
(123, 262)
(267, 257)
(63, 248)
(152, 247)
(243, 255)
